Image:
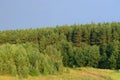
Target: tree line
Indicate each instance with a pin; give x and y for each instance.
(48, 50)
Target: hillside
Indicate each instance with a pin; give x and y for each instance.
(47, 51)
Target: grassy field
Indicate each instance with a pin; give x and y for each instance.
(75, 74)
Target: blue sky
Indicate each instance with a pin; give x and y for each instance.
(18, 14)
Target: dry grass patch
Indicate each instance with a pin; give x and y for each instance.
(75, 74)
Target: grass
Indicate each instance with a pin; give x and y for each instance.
(75, 74)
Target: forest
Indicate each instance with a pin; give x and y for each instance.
(48, 50)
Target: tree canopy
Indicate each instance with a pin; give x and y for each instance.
(48, 50)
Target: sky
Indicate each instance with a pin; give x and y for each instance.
(22, 14)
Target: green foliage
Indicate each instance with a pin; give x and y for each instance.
(112, 62)
(7, 64)
(110, 55)
(67, 53)
(103, 63)
(87, 56)
(25, 59)
(46, 50)
(55, 57)
(21, 61)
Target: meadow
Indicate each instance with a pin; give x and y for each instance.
(74, 74)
